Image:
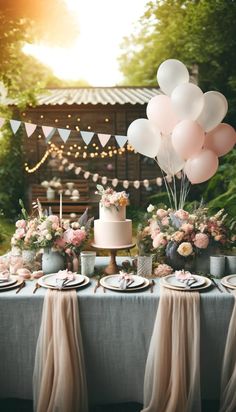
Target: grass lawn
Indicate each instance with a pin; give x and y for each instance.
(7, 229)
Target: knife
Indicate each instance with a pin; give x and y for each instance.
(216, 285)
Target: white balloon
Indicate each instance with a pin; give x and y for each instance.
(188, 101)
(144, 137)
(214, 110)
(167, 158)
(170, 74)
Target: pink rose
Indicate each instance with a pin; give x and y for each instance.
(178, 236)
(187, 227)
(159, 240)
(53, 219)
(21, 224)
(20, 233)
(182, 214)
(55, 226)
(161, 213)
(154, 228)
(201, 240)
(165, 221)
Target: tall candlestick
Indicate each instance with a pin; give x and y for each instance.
(60, 206)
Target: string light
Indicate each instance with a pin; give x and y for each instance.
(52, 148)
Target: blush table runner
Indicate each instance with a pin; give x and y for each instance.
(59, 381)
(228, 375)
(172, 375)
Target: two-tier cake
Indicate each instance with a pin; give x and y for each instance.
(112, 229)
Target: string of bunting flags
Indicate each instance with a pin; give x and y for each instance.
(78, 170)
(49, 131)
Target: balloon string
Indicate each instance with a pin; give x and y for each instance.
(175, 192)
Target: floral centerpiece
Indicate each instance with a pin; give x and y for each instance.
(111, 198)
(178, 237)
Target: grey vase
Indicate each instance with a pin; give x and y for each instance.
(52, 262)
(175, 260)
(202, 261)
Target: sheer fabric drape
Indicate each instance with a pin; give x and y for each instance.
(59, 380)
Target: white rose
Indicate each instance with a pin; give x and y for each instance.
(49, 237)
(75, 225)
(150, 208)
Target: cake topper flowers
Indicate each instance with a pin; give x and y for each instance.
(111, 198)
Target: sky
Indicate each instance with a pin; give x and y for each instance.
(93, 56)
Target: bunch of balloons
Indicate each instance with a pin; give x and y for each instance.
(183, 130)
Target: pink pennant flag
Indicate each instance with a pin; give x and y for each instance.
(30, 128)
(103, 138)
(47, 130)
(1, 122)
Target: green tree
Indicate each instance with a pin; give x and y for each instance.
(201, 33)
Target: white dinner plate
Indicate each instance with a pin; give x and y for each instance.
(51, 281)
(206, 284)
(113, 280)
(16, 284)
(9, 282)
(171, 280)
(229, 281)
(108, 285)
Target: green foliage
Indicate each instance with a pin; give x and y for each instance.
(201, 33)
(7, 229)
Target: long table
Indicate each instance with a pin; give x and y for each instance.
(116, 329)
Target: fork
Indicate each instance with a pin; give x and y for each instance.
(22, 285)
(151, 284)
(97, 286)
(37, 286)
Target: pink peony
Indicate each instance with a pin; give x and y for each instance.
(182, 214)
(21, 224)
(74, 237)
(161, 213)
(201, 240)
(159, 240)
(163, 270)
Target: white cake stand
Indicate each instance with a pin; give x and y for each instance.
(112, 267)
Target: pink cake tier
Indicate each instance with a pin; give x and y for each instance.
(112, 229)
(112, 234)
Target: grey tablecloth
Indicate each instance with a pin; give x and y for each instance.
(116, 330)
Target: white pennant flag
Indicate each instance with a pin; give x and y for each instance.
(2, 121)
(103, 138)
(48, 132)
(87, 136)
(121, 140)
(30, 128)
(64, 134)
(15, 124)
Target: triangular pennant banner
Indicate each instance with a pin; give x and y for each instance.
(121, 140)
(64, 134)
(30, 128)
(15, 124)
(103, 138)
(2, 121)
(87, 136)
(49, 136)
(47, 130)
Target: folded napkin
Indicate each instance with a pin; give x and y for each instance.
(4, 276)
(64, 276)
(125, 279)
(172, 375)
(59, 380)
(183, 275)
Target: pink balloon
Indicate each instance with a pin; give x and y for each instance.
(161, 113)
(221, 139)
(187, 138)
(201, 166)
